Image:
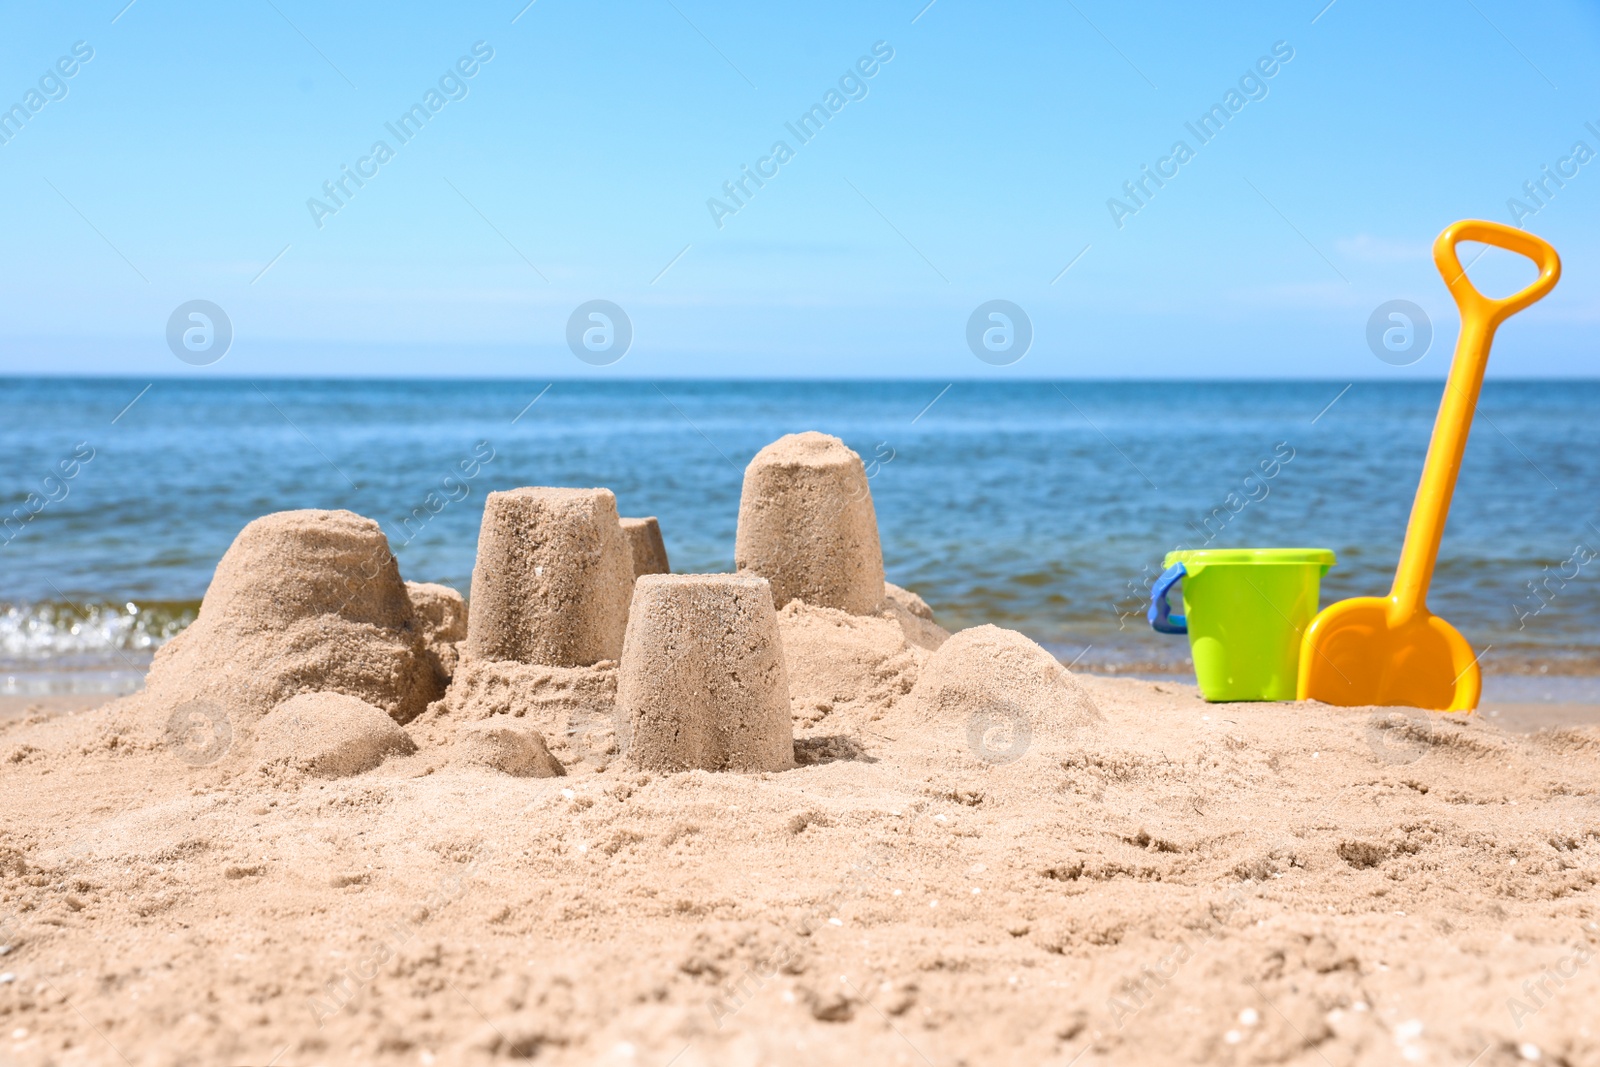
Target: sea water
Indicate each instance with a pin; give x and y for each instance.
(1043, 506)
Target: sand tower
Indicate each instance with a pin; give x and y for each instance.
(806, 524)
(702, 681)
(649, 551)
(553, 578)
(302, 602)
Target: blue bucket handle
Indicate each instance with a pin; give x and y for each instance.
(1162, 621)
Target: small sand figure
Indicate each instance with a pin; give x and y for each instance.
(330, 735)
(806, 524)
(702, 681)
(649, 551)
(553, 578)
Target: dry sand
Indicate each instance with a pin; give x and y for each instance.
(1175, 882)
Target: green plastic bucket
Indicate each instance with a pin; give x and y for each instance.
(1245, 610)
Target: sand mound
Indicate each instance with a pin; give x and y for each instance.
(303, 601)
(520, 753)
(702, 681)
(1000, 695)
(572, 708)
(442, 615)
(806, 524)
(553, 578)
(648, 550)
(329, 735)
(846, 671)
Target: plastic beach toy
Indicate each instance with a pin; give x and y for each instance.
(1244, 612)
(1392, 650)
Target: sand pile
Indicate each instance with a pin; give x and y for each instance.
(442, 614)
(702, 681)
(517, 751)
(302, 602)
(999, 695)
(846, 671)
(328, 735)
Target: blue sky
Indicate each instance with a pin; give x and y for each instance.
(577, 163)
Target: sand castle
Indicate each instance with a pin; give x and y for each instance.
(702, 682)
(649, 551)
(553, 578)
(303, 601)
(806, 524)
(579, 649)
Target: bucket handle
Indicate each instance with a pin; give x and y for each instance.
(1162, 621)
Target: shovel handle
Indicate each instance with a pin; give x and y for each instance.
(1473, 303)
(1480, 316)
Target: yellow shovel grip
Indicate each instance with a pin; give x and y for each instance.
(1473, 303)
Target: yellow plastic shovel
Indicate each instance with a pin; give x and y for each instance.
(1392, 650)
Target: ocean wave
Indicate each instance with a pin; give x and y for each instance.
(56, 631)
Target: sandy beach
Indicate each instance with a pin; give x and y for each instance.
(1217, 883)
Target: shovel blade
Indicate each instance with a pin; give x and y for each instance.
(1353, 655)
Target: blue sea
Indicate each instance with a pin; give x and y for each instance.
(1044, 506)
